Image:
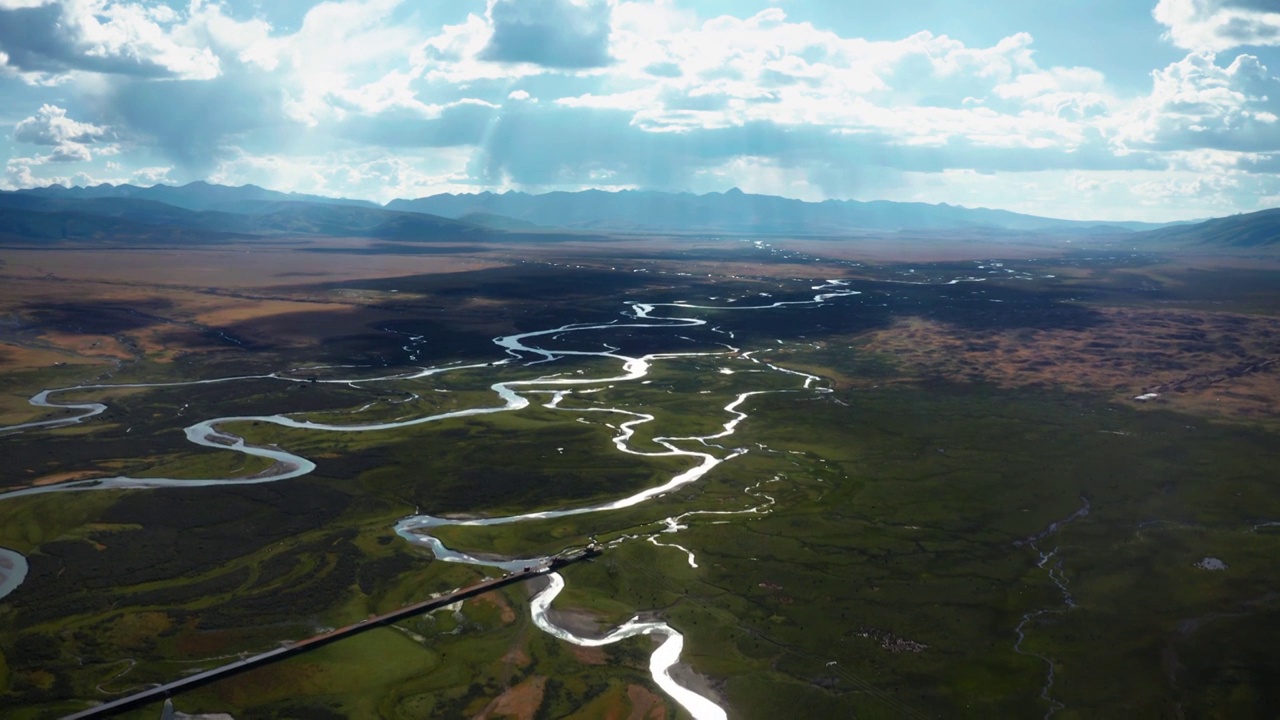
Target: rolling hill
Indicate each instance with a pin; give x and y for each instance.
(31, 226)
(31, 217)
(1258, 229)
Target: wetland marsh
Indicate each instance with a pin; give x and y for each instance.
(831, 520)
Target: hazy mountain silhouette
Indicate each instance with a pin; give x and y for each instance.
(738, 212)
(198, 195)
(1257, 229)
(202, 212)
(55, 216)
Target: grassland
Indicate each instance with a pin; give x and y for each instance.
(908, 522)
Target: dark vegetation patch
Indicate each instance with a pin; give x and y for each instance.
(244, 397)
(442, 340)
(520, 282)
(227, 361)
(671, 256)
(456, 469)
(385, 248)
(446, 337)
(371, 575)
(1108, 259)
(634, 342)
(272, 570)
(328, 585)
(178, 594)
(293, 710)
(346, 466)
(988, 305)
(201, 340)
(89, 319)
(1234, 285)
(366, 348)
(183, 532)
(106, 318)
(1143, 279)
(1226, 666)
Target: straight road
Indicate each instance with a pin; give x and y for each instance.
(290, 649)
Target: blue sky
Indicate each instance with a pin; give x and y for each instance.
(1102, 109)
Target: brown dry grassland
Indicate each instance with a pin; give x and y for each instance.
(183, 293)
(1199, 362)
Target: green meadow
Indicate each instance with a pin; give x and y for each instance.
(868, 551)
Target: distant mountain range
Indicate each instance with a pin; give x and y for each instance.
(738, 212)
(92, 213)
(203, 212)
(198, 195)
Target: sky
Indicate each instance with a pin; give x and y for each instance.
(1151, 110)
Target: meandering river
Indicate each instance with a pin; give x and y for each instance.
(512, 396)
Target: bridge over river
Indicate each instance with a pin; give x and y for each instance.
(292, 648)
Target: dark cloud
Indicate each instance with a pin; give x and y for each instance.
(33, 40)
(1259, 5)
(552, 33)
(43, 39)
(191, 122)
(1248, 33)
(1247, 135)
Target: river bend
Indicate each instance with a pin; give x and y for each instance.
(416, 528)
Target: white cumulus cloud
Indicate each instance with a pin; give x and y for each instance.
(51, 126)
(1197, 103)
(70, 139)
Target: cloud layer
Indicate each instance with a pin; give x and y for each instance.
(44, 38)
(385, 98)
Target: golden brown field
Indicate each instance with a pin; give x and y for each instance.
(99, 307)
(1219, 364)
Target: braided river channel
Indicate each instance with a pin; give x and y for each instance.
(520, 348)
